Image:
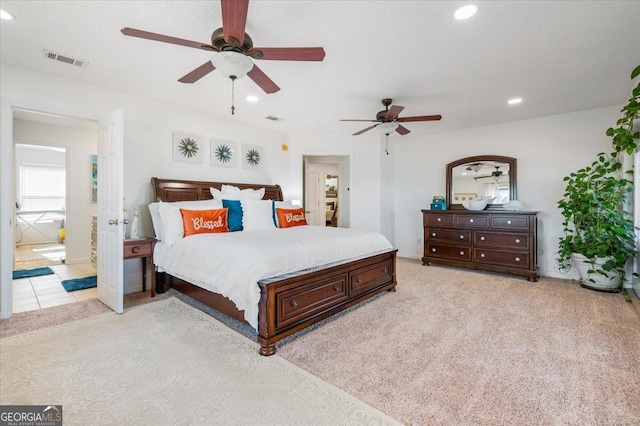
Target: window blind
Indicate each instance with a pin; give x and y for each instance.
(42, 187)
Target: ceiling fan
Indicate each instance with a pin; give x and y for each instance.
(495, 174)
(388, 120)
(234, 49)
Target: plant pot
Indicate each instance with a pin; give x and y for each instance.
(595, 280)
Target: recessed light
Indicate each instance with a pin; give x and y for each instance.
(514, 101)
(252, 98)
(465, 12)
(6, 16)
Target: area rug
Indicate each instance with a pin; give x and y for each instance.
(167, 363)
(35, 272)
(80, 283)
(461, 347)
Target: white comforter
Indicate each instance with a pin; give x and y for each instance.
(232, 263)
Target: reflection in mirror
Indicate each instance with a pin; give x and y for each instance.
(486, 176)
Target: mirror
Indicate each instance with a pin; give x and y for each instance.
(481, 176)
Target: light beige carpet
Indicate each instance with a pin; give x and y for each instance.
(166, 363)
(457, 347)
(24, 322)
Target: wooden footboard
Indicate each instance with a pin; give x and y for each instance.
(292, 302)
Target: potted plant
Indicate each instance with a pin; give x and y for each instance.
(598, 233)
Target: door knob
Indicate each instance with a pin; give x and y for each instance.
(113, 221)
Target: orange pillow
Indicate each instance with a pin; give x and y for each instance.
(291, 217)
(204, 221)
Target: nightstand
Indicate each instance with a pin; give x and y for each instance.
(142, 248)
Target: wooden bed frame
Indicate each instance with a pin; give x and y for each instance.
(291, 302)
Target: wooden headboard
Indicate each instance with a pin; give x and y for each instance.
(189, 190)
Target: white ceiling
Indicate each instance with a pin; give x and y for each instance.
(560, 56)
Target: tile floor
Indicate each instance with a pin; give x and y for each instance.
(46, 290)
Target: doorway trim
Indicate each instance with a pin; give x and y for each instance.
(7, 174)
(345, 186)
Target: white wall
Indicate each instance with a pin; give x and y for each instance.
(364, 174)
(148, 137)
(80, 144)
(547, 149)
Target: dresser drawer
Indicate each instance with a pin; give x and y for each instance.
(435, 219)
(493, 239)
(309, 299)
(448, 252)
(370, 277)
(505, 258)
(132, 250)
(450, 235)
(471, 221)
(503, 221)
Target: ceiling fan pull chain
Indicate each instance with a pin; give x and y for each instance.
(233, 94)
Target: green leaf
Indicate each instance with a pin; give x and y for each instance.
(635, 72)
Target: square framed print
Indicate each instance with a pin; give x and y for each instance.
(187, 147)
(252, 157)
(224, 153)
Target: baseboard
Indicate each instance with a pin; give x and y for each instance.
(79, 260)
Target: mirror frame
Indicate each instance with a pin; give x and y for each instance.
(512, 178)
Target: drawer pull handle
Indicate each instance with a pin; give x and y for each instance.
(439, 220)
(482, 238)
(433, 250)
(336, 288)
(518, 240)
(482, 255)
(433, 234)
(384, 270)
(517, 259)
(461, 253)
(470, 220)
(462, 237)
(136, 249)
(358, 280)
(508, 222)
(294, 303)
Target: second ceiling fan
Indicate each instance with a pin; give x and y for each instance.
(388, 120)
(234, 49)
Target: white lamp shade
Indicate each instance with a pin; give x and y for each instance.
(387, 128)
(232, 64)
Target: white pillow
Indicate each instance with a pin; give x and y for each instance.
(281, 205)
(158, 226)
(257, 215)
(230, 192)
(172, 219)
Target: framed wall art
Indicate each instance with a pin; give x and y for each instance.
(224, 153)
(94, 178)
(252, 157)
(187, 147)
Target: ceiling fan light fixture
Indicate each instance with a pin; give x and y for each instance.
(232, 64)
(387, 128)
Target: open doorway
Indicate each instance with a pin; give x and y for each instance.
(327, 199)
(54, 206)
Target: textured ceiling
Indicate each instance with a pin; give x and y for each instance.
(559, 56)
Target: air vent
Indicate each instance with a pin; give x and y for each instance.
(272, 118)
(67, 60)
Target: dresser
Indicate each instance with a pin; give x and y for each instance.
(498, 241)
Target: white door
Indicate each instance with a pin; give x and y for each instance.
(311, 199)
(110, 200)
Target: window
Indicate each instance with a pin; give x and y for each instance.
(42, 187)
